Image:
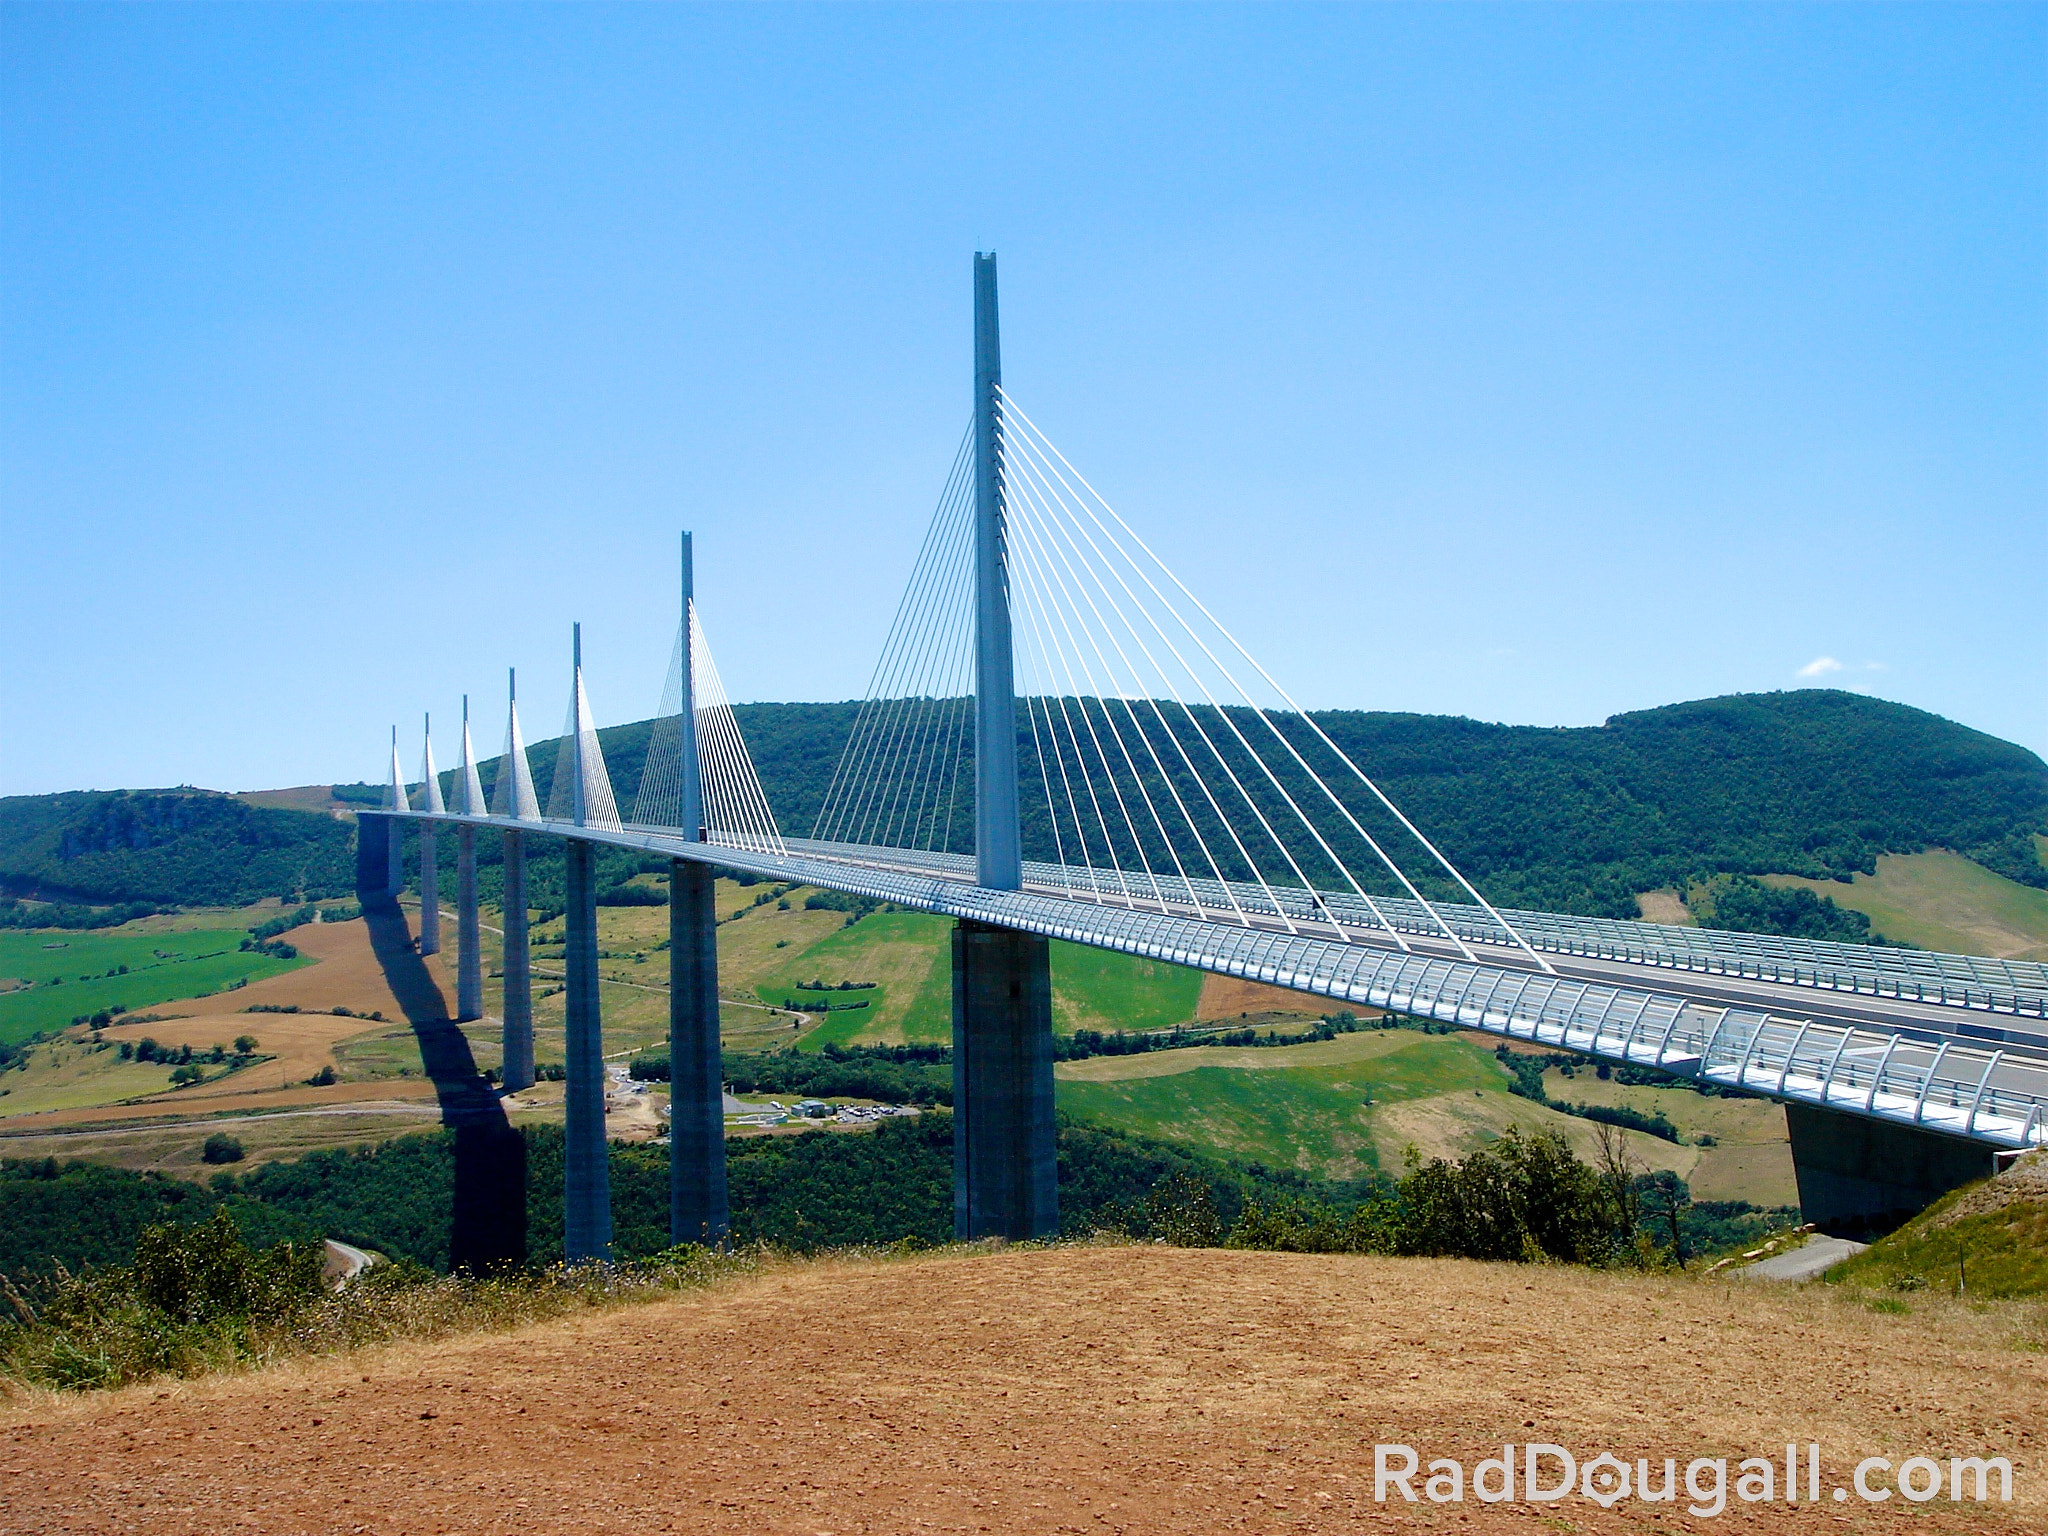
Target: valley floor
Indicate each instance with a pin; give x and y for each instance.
(1074, 1389)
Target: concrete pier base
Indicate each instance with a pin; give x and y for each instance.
(469, 960)
(586, 1175)
(1005, 1167)
(1859, 1178)
(696, 1149)
(517, 1007)
(430, 891)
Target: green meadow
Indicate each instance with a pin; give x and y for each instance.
(906, 956)
(1310, 1107)
(84, 975)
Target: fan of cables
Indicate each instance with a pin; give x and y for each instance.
(1159, 763)
(733, 811)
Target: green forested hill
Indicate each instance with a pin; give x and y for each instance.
(176, 846)
(1815, 783)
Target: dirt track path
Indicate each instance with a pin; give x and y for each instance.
(1095, 1390)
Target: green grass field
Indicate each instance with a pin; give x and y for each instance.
(1309, 1107)
(1943, 901)
(43, 954)
(75, 979)
(1096, 989)
(906, 956)
(1338, 1109)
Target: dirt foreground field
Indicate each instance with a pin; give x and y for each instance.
(1088, 1389)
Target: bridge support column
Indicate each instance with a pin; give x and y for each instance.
(1861, 1177)
(696, 1146)
(430, 891)
(517, 1006)
(394, 870)
(586, 1187)
(1005, 1167)
(373, 854)
(469, 960)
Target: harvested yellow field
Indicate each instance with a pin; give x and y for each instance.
(1225, 997)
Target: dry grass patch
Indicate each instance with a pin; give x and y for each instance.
(1096, 1388)
(1226, 997)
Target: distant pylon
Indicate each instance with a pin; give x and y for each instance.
(430, 782)
(430, 854)
(469, 974)
(469, 787)
(395, 799)
(513, 794)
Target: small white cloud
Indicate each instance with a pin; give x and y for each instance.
(1820, 666)
(1875, 666)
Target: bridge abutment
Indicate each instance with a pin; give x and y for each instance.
(1858, 1177)
(516, 1072)
(1005, 1166)
(469, 963)
(586, 1176)
(696, 1156)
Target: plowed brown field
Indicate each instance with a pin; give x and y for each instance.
(1092, 1389)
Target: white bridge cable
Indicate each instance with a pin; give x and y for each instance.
(734, 806)
(1036, 443)
(1143, 687)
(918, 712)
(1123, 750)
(1043, 542)
(916, 698)
(1037, 437)
(512, 790)
(1223, 762)
(847, 790)
(1045, 700)
(1043, 548)
(660, 800)
(1173, 690)
(578, 752)
(1044, 642)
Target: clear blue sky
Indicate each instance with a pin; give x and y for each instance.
(1531, 364)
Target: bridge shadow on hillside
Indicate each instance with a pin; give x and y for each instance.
(487, 1226)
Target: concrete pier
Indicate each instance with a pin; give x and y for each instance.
(373, 853)
(696, 1149)
(1859, 1178)
(586, 1179)
(1005, 1166)
(430, 891)
(469, 960)
(394, 869)
(517, 1007)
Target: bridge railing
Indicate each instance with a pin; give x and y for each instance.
(1922, 976)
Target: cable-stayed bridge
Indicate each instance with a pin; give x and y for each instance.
(1062, 741)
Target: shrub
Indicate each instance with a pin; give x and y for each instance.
(221, 1148)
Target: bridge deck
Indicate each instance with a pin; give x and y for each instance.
(1946, 1062)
